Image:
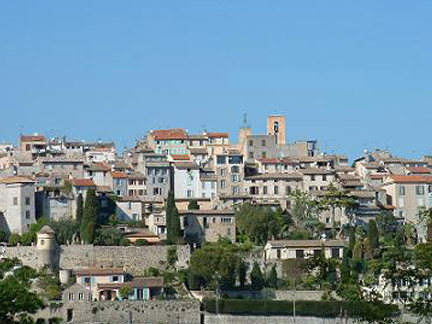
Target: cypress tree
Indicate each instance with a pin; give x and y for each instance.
(256, 277)
(90, 217)
(351, 241)
(79, 210)
(372, 234)
(172, 220)
(193, 205)
(272, 278)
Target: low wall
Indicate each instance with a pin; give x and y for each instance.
(120, 312)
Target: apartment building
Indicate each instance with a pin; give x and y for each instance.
(17, 204)
(303, 249)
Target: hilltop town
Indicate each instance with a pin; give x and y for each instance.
(192, 228)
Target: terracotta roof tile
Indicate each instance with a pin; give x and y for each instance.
(119, 175)
(83, 183)
(15, 179)
(178, 157)
(215, 135)
(410, 179)
(419, 170)
(169, 134)
(32, 138)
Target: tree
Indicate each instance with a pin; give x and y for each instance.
(193, 205)
(426, 217)
(65, 229)
(272, 279)
(108, 237)
(242, 272)
(90, 217)
(256, 277)
(258, 224)
(172, 220)
(372, 234)
(80, 207)
(125, 291)
(215, 264)
(17, 302)
(351, 241)
(172, 256)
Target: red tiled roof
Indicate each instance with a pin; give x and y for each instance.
(184, 157)
(83, 183)
(99, 166)
(118, 175)
(377, 176)
(169, 134)
(214, 135)
(411, 179)
(419, 170)
(33, 138)
(136, 283)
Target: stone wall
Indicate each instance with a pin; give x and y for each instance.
(133, 258)
(120, 312)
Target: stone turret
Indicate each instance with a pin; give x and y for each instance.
(46, 247)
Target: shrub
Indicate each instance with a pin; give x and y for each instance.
(365, 311)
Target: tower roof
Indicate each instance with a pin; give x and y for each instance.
(46, 230)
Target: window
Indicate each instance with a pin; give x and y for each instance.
(226, 220)
(278, 254)
(140, 192)
(80, 296)
(134, 217)
(263, 154)
(235, 178)
(71, 296)
(15, 201)
(324, 177)
(335, 253)
(228, 231)
(221, 159)
(235, 169)
(27, 201)
(276, 190)
(265, 190)
(263, 142)
(312, 177)
(115, 279)
(401, 214)
(157, 191)
(251, 155)
(317, 253)
(189, 193)
(402, 190)
(129, 205)
(205, 222)
(235, 190)
(27, 214)
(250, 143)
(222, 172)
(87, 280)
(288, 190)
(420, 190)
(223, 184)
(299, 254)
(235, 159)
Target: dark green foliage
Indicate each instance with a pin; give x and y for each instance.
(172, 256)
(4, 237)
(193, 205)
(241, 272)
(174, 235)
(366, 311)
(215, 265)
(90, 217)
(79, 208)
(272, 279)
(141, 242)
(258, 224)
(14, 239)
(108, 237)
(24, 274)
(423, 256)
(17, 302)
(372, 234)
(351, 241)
(256, 277)
(65, 229)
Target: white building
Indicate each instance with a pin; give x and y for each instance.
(17, 204)
(303, 249)
(187, 182)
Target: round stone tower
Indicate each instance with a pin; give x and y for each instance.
(46, 247)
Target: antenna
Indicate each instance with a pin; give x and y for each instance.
(245, 122)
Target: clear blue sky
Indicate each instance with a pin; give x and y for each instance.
(352, 74)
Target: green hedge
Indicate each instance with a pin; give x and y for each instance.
(329, 309)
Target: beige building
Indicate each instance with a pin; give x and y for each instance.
(408, 194)
(17, 204)
(317, 178)
(208, 225)
(303, 249)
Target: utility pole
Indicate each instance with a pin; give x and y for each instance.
(294, 302)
